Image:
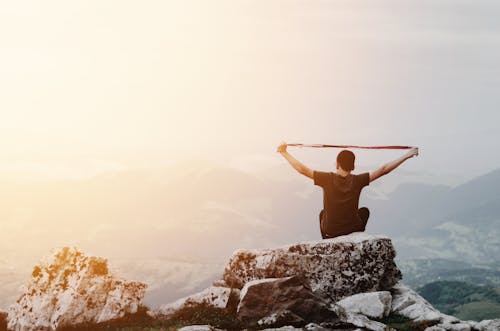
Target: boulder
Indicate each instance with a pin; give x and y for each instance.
(282, 301)
(373, 304)
(214, 296)
(69, 288)
(337, 267)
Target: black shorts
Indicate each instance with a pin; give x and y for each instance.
(358, 226)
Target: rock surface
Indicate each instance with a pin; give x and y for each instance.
(214, 296)
(488, 325)
(198, 328)
(373, 304)
(409, 303)
(280, 301)
(338, 267)
(358, 320)
(69, 288)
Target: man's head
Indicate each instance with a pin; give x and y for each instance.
(345, 160)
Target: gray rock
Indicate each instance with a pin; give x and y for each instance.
(373, 304)
(488, 325)
(283, 328)
(337, 267)
(358, 320)
(410, 304)
(281, 318)
(455, 326)
(283, 297)
(214, 296)
(198, 328)
(435, 328)
(314, 327)
(450, 327)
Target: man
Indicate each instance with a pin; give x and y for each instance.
(341, 190)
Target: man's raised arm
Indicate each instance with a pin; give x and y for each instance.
(388, 167)
(296, 164)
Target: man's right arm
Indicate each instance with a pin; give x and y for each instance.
(388, 167)
(296, 164)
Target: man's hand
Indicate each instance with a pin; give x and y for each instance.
(413, 152)
(281, 148)
(294, 162)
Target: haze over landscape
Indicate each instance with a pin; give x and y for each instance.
(147, 134)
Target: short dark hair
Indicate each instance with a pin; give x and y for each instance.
(346, 160)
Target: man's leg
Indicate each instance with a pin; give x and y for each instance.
(320, 223)
(364, 214)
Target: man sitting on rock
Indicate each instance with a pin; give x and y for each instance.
(341, 190)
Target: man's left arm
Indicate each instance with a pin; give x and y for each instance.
(296, 164)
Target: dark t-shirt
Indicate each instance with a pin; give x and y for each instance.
(340, 199)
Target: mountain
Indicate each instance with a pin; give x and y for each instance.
(200, 212)
(465, 225)
(419, 272)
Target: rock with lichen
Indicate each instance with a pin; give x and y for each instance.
(69, 288)
(337, 268)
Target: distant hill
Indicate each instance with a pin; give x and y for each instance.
(462, 223)
(418, 272)
(463, 300)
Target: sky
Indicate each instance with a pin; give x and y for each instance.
(91, 91)
(91, 86)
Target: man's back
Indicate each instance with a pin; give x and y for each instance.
(340, 200)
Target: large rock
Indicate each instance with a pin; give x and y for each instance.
(283, 301)
(337, 267)
(69, 288)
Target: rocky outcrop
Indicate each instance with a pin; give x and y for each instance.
(337, 267)
(70, 288)
(349, 282)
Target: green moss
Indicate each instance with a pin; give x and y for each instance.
(402, 323)
(197, 315)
